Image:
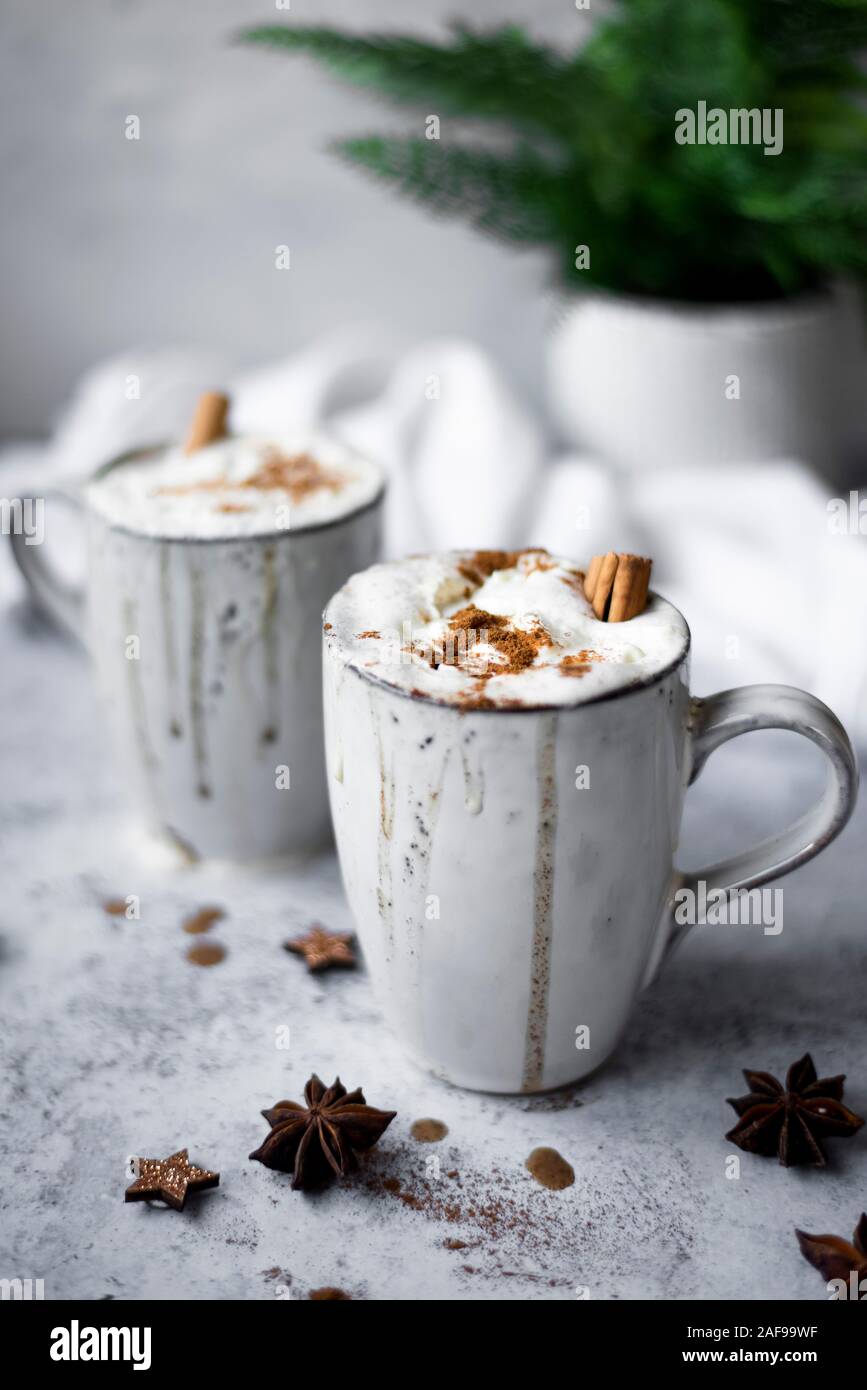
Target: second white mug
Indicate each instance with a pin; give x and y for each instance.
(206, 653)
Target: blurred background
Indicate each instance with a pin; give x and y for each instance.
(108, 242)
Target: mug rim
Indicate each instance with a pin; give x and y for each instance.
(604, 695)
(143, 450)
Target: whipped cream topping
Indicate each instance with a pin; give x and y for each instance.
(244, 486)
(495, 629)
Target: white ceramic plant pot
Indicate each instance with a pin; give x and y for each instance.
(643, 383)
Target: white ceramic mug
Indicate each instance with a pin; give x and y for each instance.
(509, 916)
(207, 653)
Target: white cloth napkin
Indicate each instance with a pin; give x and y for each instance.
(770, 591)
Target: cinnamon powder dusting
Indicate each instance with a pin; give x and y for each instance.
(519, 647)
(514, 1227)
(472, 632)
(297, 474)
(579, 663)
(471, 627)
(478, 567)
(573, 579)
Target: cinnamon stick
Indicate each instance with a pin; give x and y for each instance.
(591, 578)
(209, 421)
(631, 582)
(604, 584)
(616, 585)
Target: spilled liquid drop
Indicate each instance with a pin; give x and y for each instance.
(203, 920)
(550, 1169)
(428, 1131)
(206, 953)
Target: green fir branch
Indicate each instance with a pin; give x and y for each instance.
(590, 156)
(499, 76)
(514, 197)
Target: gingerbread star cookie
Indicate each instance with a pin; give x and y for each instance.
(323, 949)
(169, 1180)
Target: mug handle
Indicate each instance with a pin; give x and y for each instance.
(726, 715)
(63, 602)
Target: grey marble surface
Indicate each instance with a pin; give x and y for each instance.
(113, 1044)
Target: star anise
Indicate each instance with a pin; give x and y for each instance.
(322, 1139)
(791, 1121)
(836, 1258)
